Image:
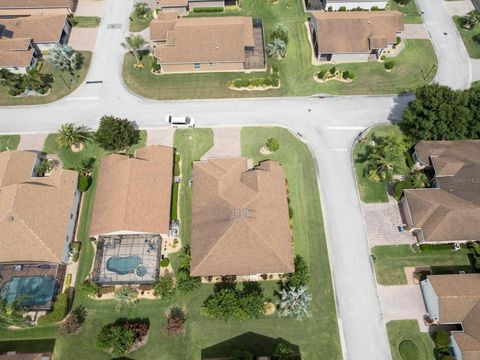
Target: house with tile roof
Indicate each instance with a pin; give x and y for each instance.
(16, 55)
(455, 300)
(36, 7)
(240, 219)
(335, 5)
(208, 44)
(450, 210)
(353, 36)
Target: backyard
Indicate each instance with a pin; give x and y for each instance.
(471, 38)
(63, 84)
(415, 66)
(9, 142)
(318, 334)
(407, 342)
(390, 261)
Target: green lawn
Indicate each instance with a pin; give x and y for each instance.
(390, 261)
(63, 84)
(412, 15)
(472, 45)
(407, 330)
(296, 71)
(371, 191)
(137, 24)
(9, 142)
(85, 21)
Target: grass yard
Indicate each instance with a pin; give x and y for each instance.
(371, 191)
(9, 142)
(137, 24)
(472, 45)
(390, 261)
(85, 21)
(63, 84)
(415, 66)
(412, 15)
(407, 342)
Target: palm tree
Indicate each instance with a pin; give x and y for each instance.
(72, 135)
(276, 48)
(142, 10)
(8, 78)
(133, 44)
(10, 316)
(385, 158)
(471, 19)
(419, 180)
(125, 296)
(32, 80)
(294, 302)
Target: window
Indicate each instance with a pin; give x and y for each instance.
(196, 66)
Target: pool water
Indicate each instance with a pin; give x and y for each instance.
(30, 290)
(123, 265)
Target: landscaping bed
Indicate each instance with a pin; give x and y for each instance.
(407, 342)
(471, 38)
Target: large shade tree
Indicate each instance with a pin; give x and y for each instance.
(115, 134)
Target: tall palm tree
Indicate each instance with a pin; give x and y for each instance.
(385, 158)
(133, 44)
(72, 135)
(32, 80)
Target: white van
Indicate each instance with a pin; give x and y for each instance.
(180, 121)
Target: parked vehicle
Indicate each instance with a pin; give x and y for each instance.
(180, 121)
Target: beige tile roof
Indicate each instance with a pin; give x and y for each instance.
(15, 52)
(34, 4)
(34, 212)
(356, 31)
(452, 211)
(459, 302)
(40, 28)
(240, 222)
(159, 27)
(134, 194)
(208, 39)
(173, 3)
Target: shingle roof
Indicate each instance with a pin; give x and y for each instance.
(209, 39)
(34, 211)
(159, 27)
(356, 31)
(40, 28)
(34, 4)
(452, 211)
(134, 194)
(15, 52)
(240, 221)
(459, 302)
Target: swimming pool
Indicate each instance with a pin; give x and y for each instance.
(33, 291)
(123, 265)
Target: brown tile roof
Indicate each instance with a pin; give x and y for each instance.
(34, 4)
(173, 3)
(134, 194)
(452, 211)
(40, 28)
(208, 39)
(34, 211)
(240, 222)
(459, 302)
(356, 31)
(159, 27)
(15, 52)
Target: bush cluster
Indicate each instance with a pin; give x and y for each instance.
(301, 276)
(120, 336)
(185, 282)
(346, 74)
(75, 247)
(84, 183)
(74, 321)
(211, 9)
(60, 308)
(116, 134)
(164, 286)
(175, 321)
(389, 64)
(89, 288)
(271, 80)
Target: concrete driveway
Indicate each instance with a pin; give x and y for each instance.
(83, 38)
(459, 7)
(163, 136)
(402, 302)
(32, 141)
(89, 8)
(415, 31)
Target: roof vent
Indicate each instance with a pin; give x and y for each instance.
(218, 47)
(10, 218)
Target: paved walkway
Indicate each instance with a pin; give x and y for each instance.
(415, 31)
(382, 221)
(163, 136)
(459, 7)
(32, 141)
(89, 8)
(83, 38)
(226, 143)
(402, 302)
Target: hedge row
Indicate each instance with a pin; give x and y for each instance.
(208, 9)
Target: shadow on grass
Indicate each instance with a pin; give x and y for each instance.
(28, 346)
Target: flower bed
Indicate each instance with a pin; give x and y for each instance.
(334, 74)
(256, 84)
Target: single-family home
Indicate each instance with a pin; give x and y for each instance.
(208, 44)
(335, 5)
(37, 223)
(450, 210)
(240, 219)
(16, 55)
(355, 35)
(131, 215)
(455, 300)
(36, 7)
(44, 30)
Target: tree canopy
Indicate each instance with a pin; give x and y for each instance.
(116, 134)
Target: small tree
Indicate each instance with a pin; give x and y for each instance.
(141, 10)
(116, 134)
(276, 48)
(185, 282)
(115, 339)
(384, 159)
(64, 58)
(86, 166)
(72, 135)
(285, 352)
(301, 275)
(471, 19)
(272, 144)
(133, 44)
(280, 31)
(125, 296)
(403, 2)
(442, 339)
(32, 80)
(164, 287)
(294, 302)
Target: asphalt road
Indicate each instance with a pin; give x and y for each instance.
(329, 125)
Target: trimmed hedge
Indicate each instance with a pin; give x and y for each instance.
(389, 65)
(84, 182)
(164, 262)
(60, 308)
(208, 9)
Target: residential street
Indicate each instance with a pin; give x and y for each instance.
(329, 125)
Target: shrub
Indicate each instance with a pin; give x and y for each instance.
(120, 336)
(333, 70)
(294, 302)
(276, 48)
(446, 357)
(155, 65)
(116, 134)
(164, 262)
(399, 187)
(241, 355)
(125, 296)
(442, 339)
(351, 75)
(164, 286)
(175, 321)
(272, 144)
(345, 75)
(73, 321)
(399, 40)
(83, 183)
(476, 38)
(383, 57)
(210, 9)
(285, 352)
(301, 276)
(342, 8)
(389, 64)
(75, 249)
(44, 166)
(330, 9)
(280, 32)
(374, 8)
(185, 282)
(176, 169)
(60, 308)
(290, 212)
(402, 2)
(89, 288)
(177, 158)
(275, 69)
(321, 74)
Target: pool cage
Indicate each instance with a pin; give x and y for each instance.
(127, 259)
(33, 285)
